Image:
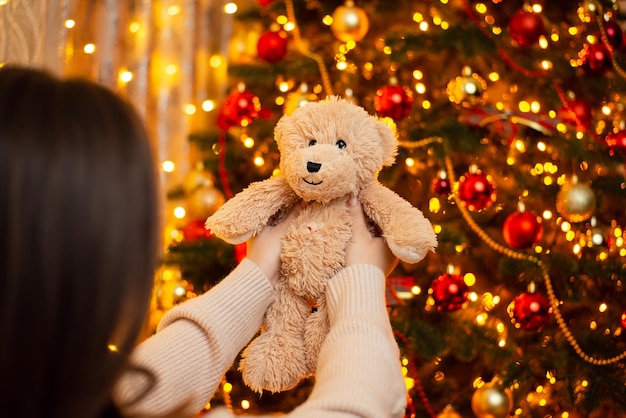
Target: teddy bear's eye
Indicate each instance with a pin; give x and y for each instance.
(312, 142)
(341, 144)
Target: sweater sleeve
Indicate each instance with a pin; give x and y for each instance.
(195, 343)
(359, 372)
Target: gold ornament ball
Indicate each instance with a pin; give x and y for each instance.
(350, 23)
(489, 401)
(449, 412)
(203, 202)
(576, 202)
(198, 178)
(467, 90)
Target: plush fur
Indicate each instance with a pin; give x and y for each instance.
(330, 151)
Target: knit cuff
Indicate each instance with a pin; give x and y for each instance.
(356, 290)
(233, 309)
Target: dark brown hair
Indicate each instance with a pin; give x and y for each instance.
(79, 239)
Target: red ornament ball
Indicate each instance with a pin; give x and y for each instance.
(195, 230)
(239, 109)
(614, 33)
(522, 229)
(265, 3)
(394, 102)
(596, 60)
(530, 311)
(526, 27)
(272, 46)
(477, 191)
(449, 292)
(577, 112)
(442, 186)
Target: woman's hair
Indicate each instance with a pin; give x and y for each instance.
(79, 242)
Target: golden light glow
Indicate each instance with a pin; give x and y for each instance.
(171, 69)
(112, 348)
(179, 212)
(125, 76)
(173, 10)
(434, 205)
(89, 48)
(227, 387)
(168, 166)
(259, 161)
(190, 109)
(134, 27)
(248, 142)
(70, 23)
(469, 279)
(245, 404)
(215, 61)
(230, 8)
(208, 105)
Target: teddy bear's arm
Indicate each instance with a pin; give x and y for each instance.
(408, 233)
(245, 214)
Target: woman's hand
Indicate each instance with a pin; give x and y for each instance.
(264, 248)
(364, 248)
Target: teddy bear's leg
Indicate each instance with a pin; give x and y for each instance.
(315, 332)
(276, 359)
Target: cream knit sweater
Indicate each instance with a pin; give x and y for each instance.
(358, 374)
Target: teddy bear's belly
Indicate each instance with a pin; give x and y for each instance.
(313, 249)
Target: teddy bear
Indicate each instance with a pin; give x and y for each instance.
(330, 150)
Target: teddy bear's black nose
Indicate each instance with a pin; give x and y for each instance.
(313, 167)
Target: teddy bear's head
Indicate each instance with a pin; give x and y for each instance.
(333, 148)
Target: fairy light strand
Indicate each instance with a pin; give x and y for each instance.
(291, 15)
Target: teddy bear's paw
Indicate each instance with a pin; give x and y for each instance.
(408, 254)
(274, 362)
(274, 373)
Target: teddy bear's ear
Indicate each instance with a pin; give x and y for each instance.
(278, 131)
(388, 140)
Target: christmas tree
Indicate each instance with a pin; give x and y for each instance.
(511, 119)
